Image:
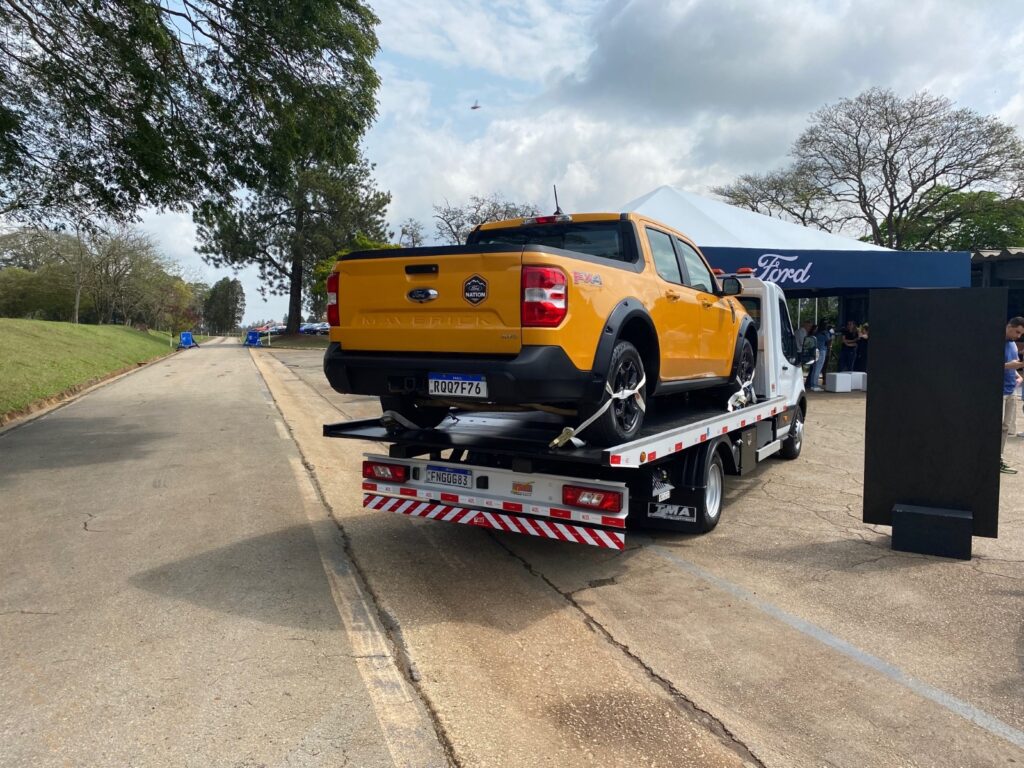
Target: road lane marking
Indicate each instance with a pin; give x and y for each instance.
(957, 706)
(282, 432)
(408, 732)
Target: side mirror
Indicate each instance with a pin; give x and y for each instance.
(731, 286)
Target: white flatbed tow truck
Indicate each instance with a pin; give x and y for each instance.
(501, 470)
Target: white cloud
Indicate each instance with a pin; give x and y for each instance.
(514, 39)
(690, 92)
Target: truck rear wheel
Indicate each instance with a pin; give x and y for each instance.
(423, 416)
(622, 420)
(795, 439)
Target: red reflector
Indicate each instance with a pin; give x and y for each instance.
(592, 498)
(745, 271)
(652, 456)
(615, 459)
(679, 446)
(614, 522)
(704, 437)
(561, 514)
(449, 497)
(544, 298)
(333, 317)
(377, 470)
(407, 491)
(369, 486)
(511, 506)
(724, 430)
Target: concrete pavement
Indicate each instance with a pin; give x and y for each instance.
(172, 591)
(794, 627)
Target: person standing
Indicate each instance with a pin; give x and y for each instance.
(1011, 364)
(862, 350)
(822, 337)
(803, 332)
(848, 352)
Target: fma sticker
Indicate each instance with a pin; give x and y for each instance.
(672, 512)
(474, 290)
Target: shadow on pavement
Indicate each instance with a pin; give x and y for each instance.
(74, 441)
(276, 578)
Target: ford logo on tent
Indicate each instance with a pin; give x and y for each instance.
(422, 295)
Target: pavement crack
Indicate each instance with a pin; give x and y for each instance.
(28, 613)
(701, 716)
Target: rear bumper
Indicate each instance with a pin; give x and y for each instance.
(538, 374)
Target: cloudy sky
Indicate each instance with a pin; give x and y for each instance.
(611, 99)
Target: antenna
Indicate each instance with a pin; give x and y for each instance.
(558, 208)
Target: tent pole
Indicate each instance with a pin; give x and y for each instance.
(815, 310)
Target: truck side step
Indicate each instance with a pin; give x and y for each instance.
(499, 521)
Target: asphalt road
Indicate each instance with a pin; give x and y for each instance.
(792, 632)
(173, 593)
(187, 577)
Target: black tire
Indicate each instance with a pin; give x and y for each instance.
(623, 419)
(794, 441)
(710, 511)
(423, 416)
(742, 370)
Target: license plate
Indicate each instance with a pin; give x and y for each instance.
(460, 478)
(457, 385)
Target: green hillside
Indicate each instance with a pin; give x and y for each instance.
(40, 359)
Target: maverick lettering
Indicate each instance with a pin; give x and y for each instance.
(772, 272)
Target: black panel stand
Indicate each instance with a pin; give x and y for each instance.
(932, 531)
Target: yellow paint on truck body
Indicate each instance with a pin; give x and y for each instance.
(696, 330)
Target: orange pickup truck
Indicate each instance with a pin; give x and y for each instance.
(546, 313)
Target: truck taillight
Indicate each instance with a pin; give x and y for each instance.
(332, 299)
(545, 297)
(591, 498)
(378, 470)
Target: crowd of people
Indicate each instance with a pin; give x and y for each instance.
(853, 349)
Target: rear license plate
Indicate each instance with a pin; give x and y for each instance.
(457, 385)
(460, 478)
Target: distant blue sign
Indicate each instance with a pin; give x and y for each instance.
(825, 270)
(252, 339)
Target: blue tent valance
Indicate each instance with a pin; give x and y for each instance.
(818, 270)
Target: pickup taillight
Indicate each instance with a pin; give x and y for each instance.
(333, 317)
(545, 297)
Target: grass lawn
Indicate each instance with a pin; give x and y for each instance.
(297, 341)
(40, 359)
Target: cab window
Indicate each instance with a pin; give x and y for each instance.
(664, 256)
(753, 306)
(699, 275)
(788, 337)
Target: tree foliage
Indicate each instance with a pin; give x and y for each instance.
(410, 235)
(224, 306)
(890, 164)
(108, 106)
(453, 223)
(285, 230)
(98, 277)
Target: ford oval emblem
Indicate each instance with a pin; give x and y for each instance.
(422, 295)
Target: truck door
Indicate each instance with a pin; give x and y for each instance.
(717, 316)
(675, 312)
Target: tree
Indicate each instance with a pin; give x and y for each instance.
(792, 194)
(411, 234)
(108, 106)
(455, 222)
(966, 221)
(891, 164)
(224, 306)
(285, 230)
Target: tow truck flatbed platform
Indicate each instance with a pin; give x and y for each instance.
(500, 470)
(528, 435)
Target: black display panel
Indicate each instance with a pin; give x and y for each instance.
(934, 405)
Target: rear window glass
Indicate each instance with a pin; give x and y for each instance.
(753, 307)
(598, 238)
